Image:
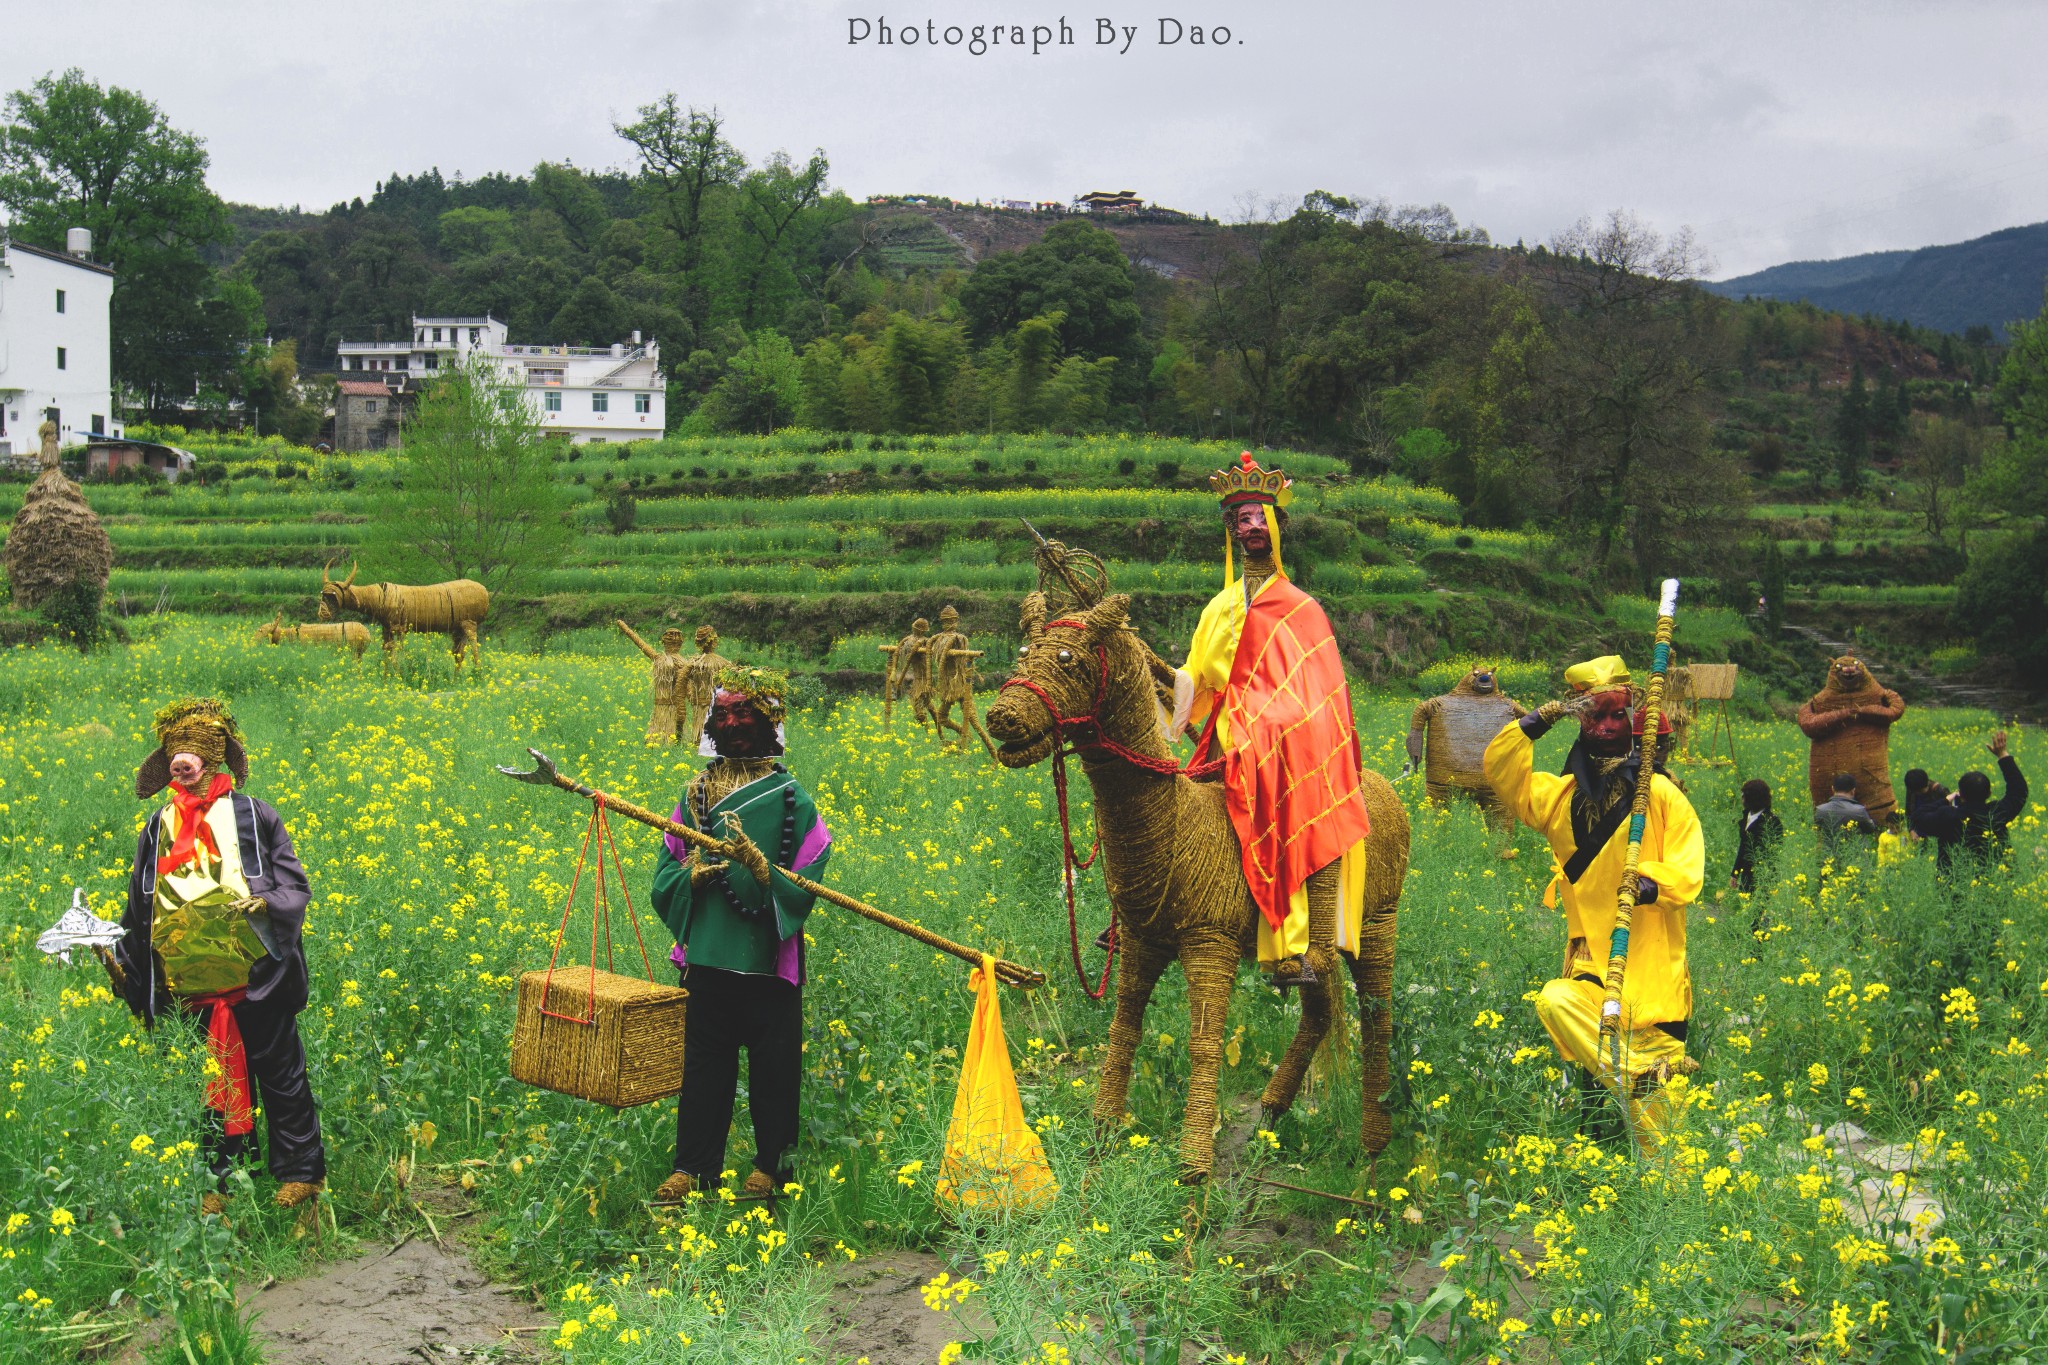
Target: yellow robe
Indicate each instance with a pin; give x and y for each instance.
(1211, 655)
(1658, 988)
(204, 948)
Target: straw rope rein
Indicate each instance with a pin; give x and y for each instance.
(1081, 734)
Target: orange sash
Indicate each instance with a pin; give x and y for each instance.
(1291, 776)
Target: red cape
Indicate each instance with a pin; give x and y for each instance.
(1291, 776)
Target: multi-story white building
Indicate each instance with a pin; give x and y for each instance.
(56, 339)
(594, 393)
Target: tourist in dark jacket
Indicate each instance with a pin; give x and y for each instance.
(1842, 814)
(1757, 836)
(1971, 820)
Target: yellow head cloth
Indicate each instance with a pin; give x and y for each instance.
(1603, 674)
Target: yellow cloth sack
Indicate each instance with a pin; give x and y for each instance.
(993, 1160)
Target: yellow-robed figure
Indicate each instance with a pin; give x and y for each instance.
(1265, 681)
(1582, 813)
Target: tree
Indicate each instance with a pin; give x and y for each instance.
(478, 497)
(2002, 597)
(1078, 271)
(1618, 403)
(1941, 453)
(762, 388)
(776, 198)
(74, 154)
(685, 158)
(1852, 432)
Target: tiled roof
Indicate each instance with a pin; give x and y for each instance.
(365, 388)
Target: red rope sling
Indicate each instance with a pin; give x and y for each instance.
(599, 833)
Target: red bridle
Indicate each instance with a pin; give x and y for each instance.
(1080, 734)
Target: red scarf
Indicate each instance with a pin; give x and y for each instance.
(192, 827)
(227, 1093)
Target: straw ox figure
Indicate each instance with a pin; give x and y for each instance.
(1171, 860)
(352, 636)
(454, 607)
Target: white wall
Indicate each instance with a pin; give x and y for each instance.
(31, 330)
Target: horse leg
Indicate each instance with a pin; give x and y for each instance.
(1372, 971)
(967, 708)
(1210, 965)
(1324, 893)
(476, 647)
(1139, 966)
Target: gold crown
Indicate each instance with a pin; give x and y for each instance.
(1245, 481)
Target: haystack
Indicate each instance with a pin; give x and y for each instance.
(55, 540)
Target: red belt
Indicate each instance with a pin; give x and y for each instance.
(228, 1092)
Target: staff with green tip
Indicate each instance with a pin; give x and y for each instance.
(1638, 819)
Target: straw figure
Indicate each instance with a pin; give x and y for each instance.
(352, 636)
(55, 540)
(698, 682)
(1172, 863)
(455, 607)
(951, 664)
(663, 676)
(910, 668)
(1448, 735)
(1850, 722)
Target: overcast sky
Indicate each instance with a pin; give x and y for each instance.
(1777, 131)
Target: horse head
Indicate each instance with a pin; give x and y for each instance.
(1066, 677)
(335, 596)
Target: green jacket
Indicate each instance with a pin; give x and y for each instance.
(733, 922)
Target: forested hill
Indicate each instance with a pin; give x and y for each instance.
(1986, 282)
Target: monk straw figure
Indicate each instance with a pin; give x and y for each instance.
(1269, 696)
(1850, 722)
(663, 676)
(216, 909)
(1448, 735)
(698, 682)
(1584, 813)
(910, 668)
(951, 664)
(739, 930)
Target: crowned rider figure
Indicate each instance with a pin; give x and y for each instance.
(1269, 697)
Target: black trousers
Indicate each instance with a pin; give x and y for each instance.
(279, 1085)
(730, 1011)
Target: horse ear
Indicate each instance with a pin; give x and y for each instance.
(1111, 613)
(1031, 616)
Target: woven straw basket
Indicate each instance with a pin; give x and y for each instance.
(630, 1052)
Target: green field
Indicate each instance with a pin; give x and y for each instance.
(1494, 1234)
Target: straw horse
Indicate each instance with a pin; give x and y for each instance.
(1171, 860)
(454, 607)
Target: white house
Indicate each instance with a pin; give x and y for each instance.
(594, 393)
(55, 341)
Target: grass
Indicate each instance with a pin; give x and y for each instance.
(1496, 1233)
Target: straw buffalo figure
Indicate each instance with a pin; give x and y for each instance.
(1171, 860)
(352, 636)
(454, 607)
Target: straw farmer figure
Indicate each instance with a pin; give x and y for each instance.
(698, 682)
(214, 926)
(1448, 735)
(739, 929)
(1175, 871)
(950, 661)
(910, 672)
(1850, 723)
(664, 675)
(1582, 812)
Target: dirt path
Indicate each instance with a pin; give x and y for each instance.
(399, 1305)
(876, 1312)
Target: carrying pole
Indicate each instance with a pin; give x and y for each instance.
(545, 774)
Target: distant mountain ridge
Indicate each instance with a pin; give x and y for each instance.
(1987, 281)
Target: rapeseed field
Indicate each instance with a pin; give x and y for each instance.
(1860, 1174)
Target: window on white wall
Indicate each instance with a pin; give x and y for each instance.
(600, 402)
(643, 402)
(551, 401)
(60, 300)
(62, 356)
